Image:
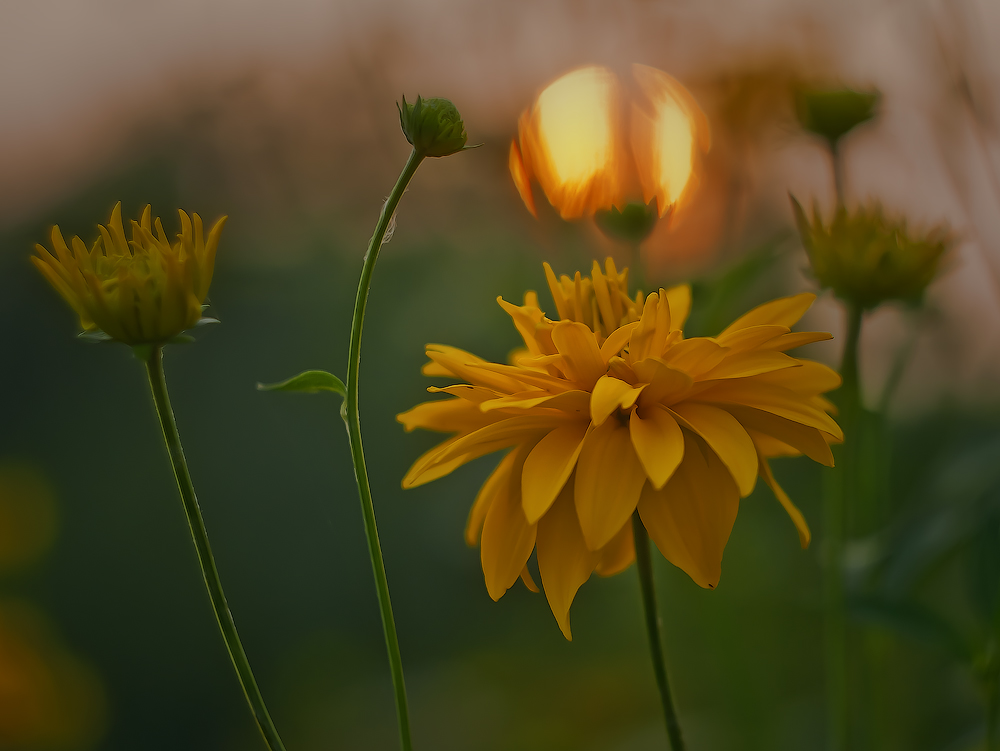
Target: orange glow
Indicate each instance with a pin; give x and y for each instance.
(574, 142)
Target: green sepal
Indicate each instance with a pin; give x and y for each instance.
(831, 113)
(206, 320)
(631, 224)
(308, 382)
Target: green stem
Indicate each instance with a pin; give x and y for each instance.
(838, 488)
(645, 565)
(158, 385)
(838, 171)
(993, 712)
(352, 417)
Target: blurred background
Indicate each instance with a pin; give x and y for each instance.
(282, 117)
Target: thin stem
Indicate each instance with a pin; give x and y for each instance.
(645, 565)
(158, 386)
(838, 171)
(636, 273)
(352, 417)
(993, 712)
(838, 488)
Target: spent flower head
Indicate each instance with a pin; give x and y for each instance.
(139, 291)
(432, 126)
(608, 410)
(867, 258)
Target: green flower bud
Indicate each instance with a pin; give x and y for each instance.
(433, 126)
(833, 112)
(632, 224)
(867, 258)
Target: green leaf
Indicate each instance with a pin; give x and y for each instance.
(308, 382)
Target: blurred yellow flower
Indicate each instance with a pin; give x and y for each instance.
(143, 291)
(591, 147)
(867, 258)
(610, 409)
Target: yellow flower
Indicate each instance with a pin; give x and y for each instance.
(590, 147)
(146, 291)
(610, 409)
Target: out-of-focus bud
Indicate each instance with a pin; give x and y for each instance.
(433, 126)
(867, 258)
(833, 112)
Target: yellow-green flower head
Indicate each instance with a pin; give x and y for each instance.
(143, 291)
(609, 410)
(833, 112)
(432, 126)
(867, 258)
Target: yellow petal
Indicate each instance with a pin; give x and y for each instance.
(609, 478)
(610, 394)
(464, 448)
(474, 394)
(528, 581)
(746, 364)
(496, 482)
(564, 562)
(679, 299)
(658, 442)
(446, 416)
(616, 341)
(521, 179)
(462, 364)
(570, 141)
(797, 519)
(751, 337)
(576, 342)
(618, 554)
(562, 304)
(668, 131)
(548, 466)
(508, 538)
(796, 339)
(785, 311)
(665, 384)
(526, 322)
(691, 518)
(694, 356)
(805, 439)
(576, 402)
(809, 378)
(774, 399)
(727, 438)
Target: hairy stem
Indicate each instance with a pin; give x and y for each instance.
(352, 417)
(172, 439)
(644, 563)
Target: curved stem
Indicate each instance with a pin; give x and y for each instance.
(645, 565)
(158, 386)
(352, 417)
